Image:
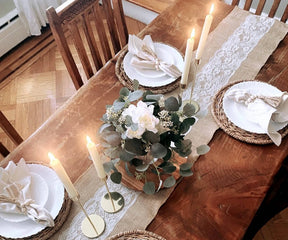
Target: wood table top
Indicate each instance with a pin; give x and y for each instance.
(232, 173)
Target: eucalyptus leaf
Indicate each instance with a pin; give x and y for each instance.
(118, 106)
(169, 182)
(112, 137)
(186, 173)
(116, 177)
(155, 97)
(133, 96)
(135, 84)
(158, 150)
(127, 170)
(151, 137)
(106, 127)
(186, 166)
(126, 156)
(189, 110)
(165, 164)
(124, 92)
(136, 162)
(128, 121)
(149, 188)
(169, 169)
(134, 146)
(186, 124)
(168, 155)
(203, 149)
(108, 166)
(171, 104)
(142, 168)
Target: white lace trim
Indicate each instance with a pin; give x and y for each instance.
(92, 206)
(222, 66)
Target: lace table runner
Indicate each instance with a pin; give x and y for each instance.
(236, 50)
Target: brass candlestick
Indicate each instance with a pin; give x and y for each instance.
(111, 202)
(92, 225)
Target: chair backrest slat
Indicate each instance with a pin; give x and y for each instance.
(111, 25)
(260, 7)
(79, 45)
(274, 8)
(247, 5)
(285, 15)
(10, 132)
(86, 22)
(92, 42)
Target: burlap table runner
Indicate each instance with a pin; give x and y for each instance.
(140, 209)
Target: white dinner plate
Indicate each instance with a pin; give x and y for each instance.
(53, 205)
(154, 78)
(39, 193)
(237, 112)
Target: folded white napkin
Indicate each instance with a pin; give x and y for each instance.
(263, 109)
(15, 196)
(146, 58)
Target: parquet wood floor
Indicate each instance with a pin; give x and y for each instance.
(30, 95)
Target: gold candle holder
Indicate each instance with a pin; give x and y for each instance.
(111, 202)
(92, 225)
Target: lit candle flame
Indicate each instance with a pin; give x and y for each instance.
(52, 158)
(193, 33)
(88, 140)
(211, 9)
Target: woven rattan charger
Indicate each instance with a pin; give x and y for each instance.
(136, 235)
(227, 126)
(127, 82)
(47, 232)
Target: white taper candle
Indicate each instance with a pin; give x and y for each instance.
(187, 59)
(92, 149)
(60, 171)
(204, 34)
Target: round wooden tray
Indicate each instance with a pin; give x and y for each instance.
(136, 235)
(227, 126)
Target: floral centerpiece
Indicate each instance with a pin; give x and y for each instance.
(144, 130)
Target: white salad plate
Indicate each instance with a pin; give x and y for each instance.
(238, 113)
(10, 229)
(151, 77)
(39, 193)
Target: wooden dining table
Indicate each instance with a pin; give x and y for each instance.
(205, 205)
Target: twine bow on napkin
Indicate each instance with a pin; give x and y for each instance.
(262, 110)
(15, 196)
(146, 58)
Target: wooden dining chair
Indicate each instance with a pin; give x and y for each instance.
(98, 31)
(260, 7)
(10, 132)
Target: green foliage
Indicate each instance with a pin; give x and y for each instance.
(172, 104)
(116, 177)
(158, 150)
(149, 188)
(159, 138)
(169, 182)
(203, 149)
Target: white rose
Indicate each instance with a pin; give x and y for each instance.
(143, 116)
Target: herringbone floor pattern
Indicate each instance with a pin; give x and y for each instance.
(34, 92)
